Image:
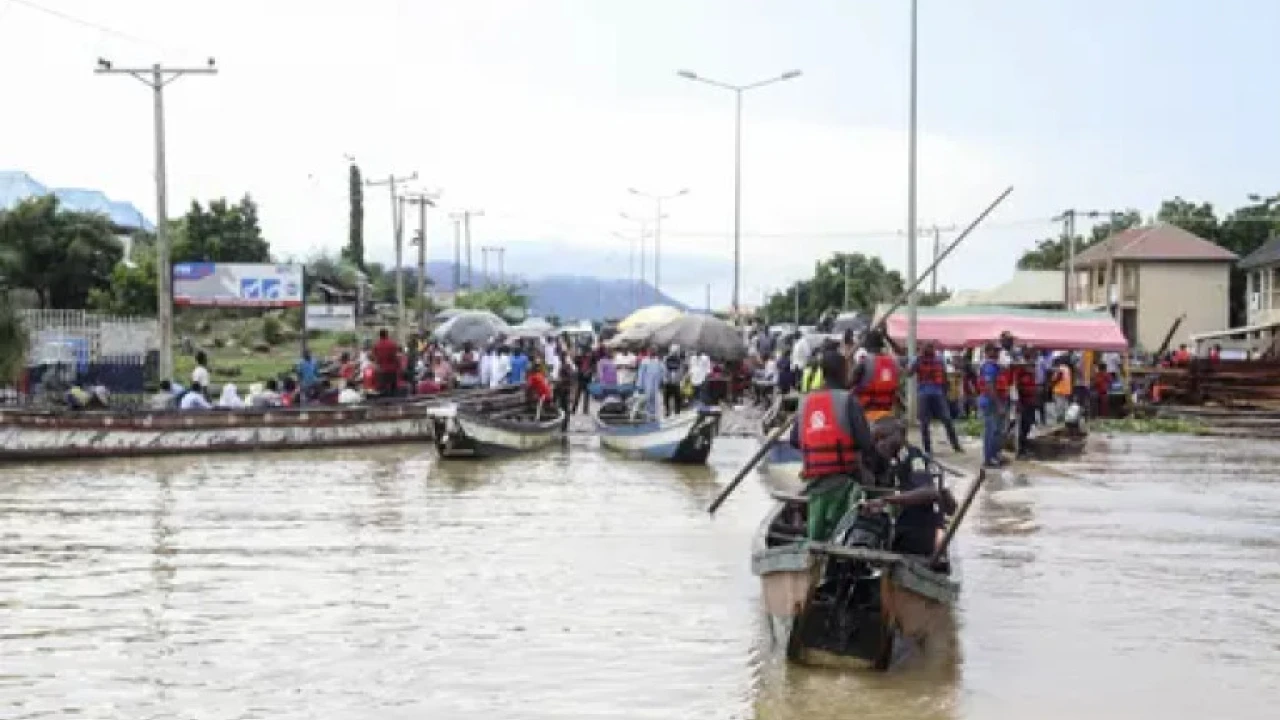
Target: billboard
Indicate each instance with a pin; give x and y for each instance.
(331, 317)
(237, 285)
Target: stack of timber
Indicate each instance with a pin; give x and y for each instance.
(1234, 398)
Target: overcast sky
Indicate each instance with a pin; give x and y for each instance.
(543, 113)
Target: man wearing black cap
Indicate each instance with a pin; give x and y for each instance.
(833, 437)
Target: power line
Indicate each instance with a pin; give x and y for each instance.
(85, 23)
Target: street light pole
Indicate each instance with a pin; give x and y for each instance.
(156, 77)
(911, 215)
(738, 90)
(657, 231)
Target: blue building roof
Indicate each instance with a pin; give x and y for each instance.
(16, 186)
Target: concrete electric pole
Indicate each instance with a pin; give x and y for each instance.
(156, 77)
(397, 231)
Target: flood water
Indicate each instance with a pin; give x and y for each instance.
(376, 583)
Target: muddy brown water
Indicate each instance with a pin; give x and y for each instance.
(379, 584)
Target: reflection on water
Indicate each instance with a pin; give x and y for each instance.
(378, 583)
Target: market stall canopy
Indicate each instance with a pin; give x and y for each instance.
(651, 316)
(962, 327)
(472, 326)
(536, 324)
(633, 338)
(702, 333)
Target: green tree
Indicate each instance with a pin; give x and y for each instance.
(14, 341)
(132, 290)
(60, 256)
(1051, 253)
(499, 300)
(221, 233)
(354, 251)
(869, 282)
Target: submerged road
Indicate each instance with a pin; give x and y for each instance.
(379, 584)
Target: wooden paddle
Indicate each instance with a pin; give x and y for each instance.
(960, 513)
(769, 440)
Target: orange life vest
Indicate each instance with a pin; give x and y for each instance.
(930, 371)
(1002, 382)
(879, 390)
(826, 442)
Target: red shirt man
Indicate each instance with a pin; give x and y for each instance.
(386, 355)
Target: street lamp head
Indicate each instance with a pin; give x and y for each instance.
(790, 74)
(634, 191)
(683, 191)
(687, 74)
(104, 63)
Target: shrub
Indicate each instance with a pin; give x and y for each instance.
(272, 332)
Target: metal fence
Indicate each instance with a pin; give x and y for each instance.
(75, 346)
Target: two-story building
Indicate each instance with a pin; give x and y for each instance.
(1150, 277)
(1262, 293)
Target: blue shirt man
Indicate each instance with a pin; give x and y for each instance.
(519, 367)
(308, 375)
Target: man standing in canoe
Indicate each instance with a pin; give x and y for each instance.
(832, 434)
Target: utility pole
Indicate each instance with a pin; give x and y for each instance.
(502, 271)
(465, 216)
(457, 254)
(708, 298)
(156, 77)
(933, 278)
(644, 232)
(657, 231)
(422, 200)
(397, 232)
(484, 265)
(1068, 220)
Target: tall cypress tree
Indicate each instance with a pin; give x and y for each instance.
(354, 251)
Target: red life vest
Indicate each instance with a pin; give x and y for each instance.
(879, 390)
(1028, 391)
(929, 371)
(1002, 382)
(826, 442)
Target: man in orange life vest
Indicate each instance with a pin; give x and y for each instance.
(833, 436)
(876, 378)
(932, 396)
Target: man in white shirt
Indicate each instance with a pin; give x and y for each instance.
(626, 364)
(699, 369)
(195, 399)
(200, 375)
(486, 368)
(800, 352)
(501, 368)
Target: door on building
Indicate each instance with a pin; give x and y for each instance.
(1129, 325)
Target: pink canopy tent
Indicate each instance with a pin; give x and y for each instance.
(963, 327)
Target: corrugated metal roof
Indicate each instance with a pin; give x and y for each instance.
(16, 186)
(1268, 254)
(1158, 242)
(1027, 288)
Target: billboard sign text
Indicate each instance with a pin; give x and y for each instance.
(331, 317)
(237, 285)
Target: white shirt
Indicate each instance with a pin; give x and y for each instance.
(350, 396)
(699, 369)
(486, 370)
(626, 365)
(800, 352)
(200, 375)
(195, 401)
(501, 366)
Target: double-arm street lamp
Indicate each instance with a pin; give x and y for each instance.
(738, 90)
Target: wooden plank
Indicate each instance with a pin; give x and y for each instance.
(860, 554)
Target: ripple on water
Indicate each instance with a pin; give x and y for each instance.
(376, 583)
